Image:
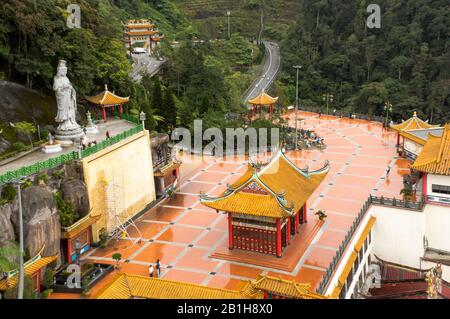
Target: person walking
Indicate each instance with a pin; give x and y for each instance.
(150, 270)
(107, 134)
(158, 268)
(388, 169)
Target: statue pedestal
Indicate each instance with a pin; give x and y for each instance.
(51, 148)
(67, 138)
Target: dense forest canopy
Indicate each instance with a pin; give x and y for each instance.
(406, 61)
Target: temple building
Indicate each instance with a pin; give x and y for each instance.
(141, 34)
(107, 99)
(166, 168)
(412, 135)
(33, 269)
(267, 205)
(81, 232)
(126, 286)
(262, 100)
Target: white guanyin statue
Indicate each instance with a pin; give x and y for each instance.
(66, 100)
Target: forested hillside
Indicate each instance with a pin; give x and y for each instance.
(407, 61)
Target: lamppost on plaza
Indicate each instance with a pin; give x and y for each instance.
(327, 98)
(21, 249)
(388, 109)
(297, 67)
(228, 15)
(142, 117)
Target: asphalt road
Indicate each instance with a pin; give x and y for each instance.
(145, 64)
(269, 73)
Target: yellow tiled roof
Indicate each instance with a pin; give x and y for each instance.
(412, 137)
(139, 26)
(412, 123)
(285, 187)
(74, 230)
(353, 255)
(147, 32)
(31, 267)
(107, 98)
(126, 286)
(167, 169)
(263, 99)
(283, 287)
(435, 155)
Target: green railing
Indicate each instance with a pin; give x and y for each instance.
(128, 117)
(65, 158)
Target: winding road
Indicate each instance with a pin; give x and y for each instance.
(270, 70)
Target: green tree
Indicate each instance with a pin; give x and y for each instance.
(26, 128)
(169, 110)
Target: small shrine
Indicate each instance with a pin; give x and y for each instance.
(263, 99)
(107, 99)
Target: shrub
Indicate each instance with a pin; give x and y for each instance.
(67, 213)
(103, 238)
(46, 293)
(48, 279)
(8, 193)
(19, 146)
(26, 183)
(43, 177)
(59, 174)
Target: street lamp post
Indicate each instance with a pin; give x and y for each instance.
(228, 15)
(297, 67)
(388, 109)
(328, 98)
(21, 249)
(142, 117)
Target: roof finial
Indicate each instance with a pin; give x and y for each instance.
(106, 87)
(415, 114)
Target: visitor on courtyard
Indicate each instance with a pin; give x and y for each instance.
(388, 169)
(158, 268)
(150, 270)
(107, 134)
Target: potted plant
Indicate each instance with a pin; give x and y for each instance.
(117, 257)
(407, 193)
(321, 214)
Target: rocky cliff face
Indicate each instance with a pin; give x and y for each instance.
(40, 219)
(75, 191)
(6, 227)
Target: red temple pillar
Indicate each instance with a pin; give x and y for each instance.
(288, 231)
(266, 295)
(104, 113)
(120, 111)
(230, 230)
(304, 212)
(398, 138)
(278, 248)
(297, 221)
(424, 187)
(112, 110)
(403, 147)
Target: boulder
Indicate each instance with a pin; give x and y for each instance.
(4, 145)
(40, 221)
(75, 191)
(6, 226)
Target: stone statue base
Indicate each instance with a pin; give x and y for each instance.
(52, 148)
(67, 138)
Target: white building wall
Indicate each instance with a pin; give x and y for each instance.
(398, 235)
(412, 147)
(354, 285)
(438, 180)
(437, 226)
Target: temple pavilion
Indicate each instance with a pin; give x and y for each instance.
(143, 32)
(414, 132)
(263, 99)
(266, 205)
(107, 99)
(32, 268)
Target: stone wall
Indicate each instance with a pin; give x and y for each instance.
(119, 181)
